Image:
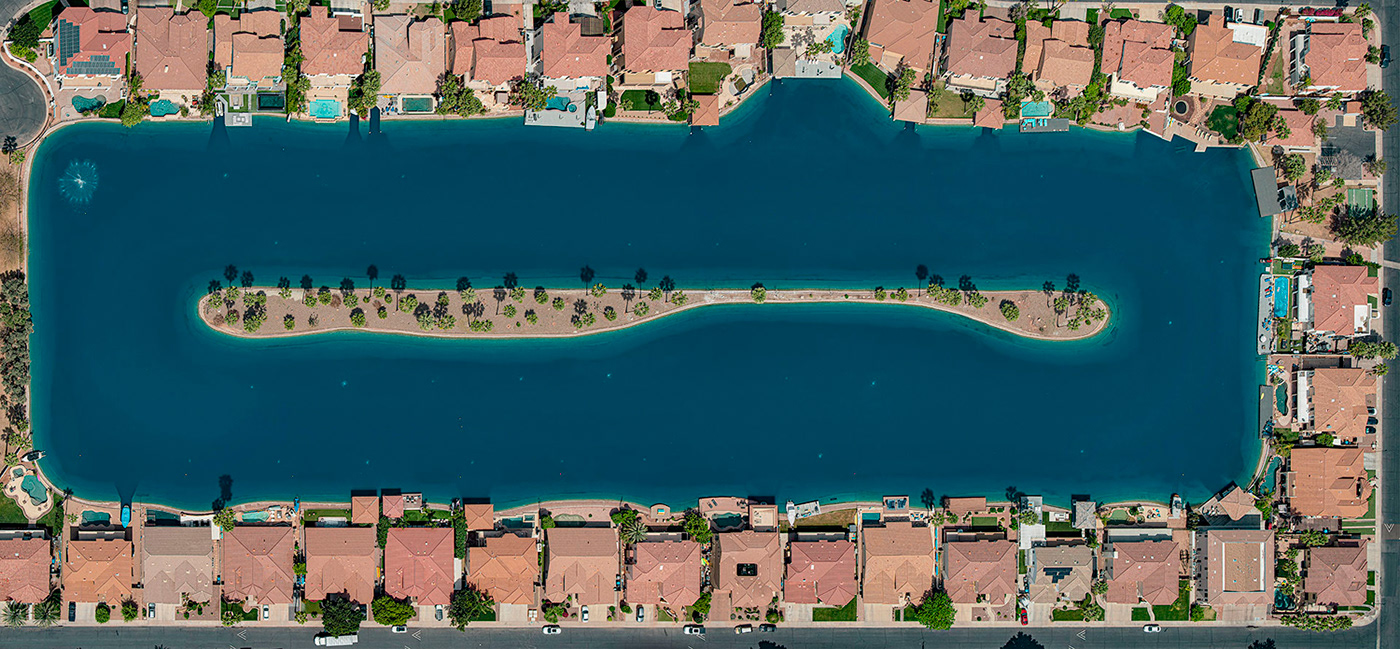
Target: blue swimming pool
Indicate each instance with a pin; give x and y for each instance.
(255, 517)
(163, 107)
(1281, 291)
(96, 518)
(838, 39)
(727, 521)
(559, 103)
(324, 109)
(38, 493)
(1037, 109)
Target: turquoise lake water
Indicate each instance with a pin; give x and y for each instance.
(811, 185)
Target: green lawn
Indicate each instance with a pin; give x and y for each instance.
(846, 613)
(417, 515)
(985, 521)
(1091, 16)
(1223, 120)
(1178, 611)
(312, 607)
(313, 515)
(10, 513)
(706, 77)
(1050, 527)
(1370, 597)
(1140, 614)
(1371, 578)
(1120, 13)
(112, 110)
(873, 76)
(1066, 615)
(663, 616)
(237, 607)
(1021, 561)
(639, 100)
(44, 13)
(1274, 84)
(948, 103)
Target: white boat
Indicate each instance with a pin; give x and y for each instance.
(33, 456)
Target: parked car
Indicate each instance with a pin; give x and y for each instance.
(552, 629)
(641, 613)
(72, 611)
(1385, 297)
(327, 640)
(694, 629)
(1152, 628)
(1371, 410)
(1024, 618)
(1385, 56)
(398, 628)
(744, 628)
(767, 628)
(151, 610)
(437, 612)
(1370, 430)
(583, 615)
(267, 611)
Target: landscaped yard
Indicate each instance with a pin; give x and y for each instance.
(706, 77)
(839, 519)
(237, 607)
(1223, 120)
(313, 515)
(10, 513)
(647, 100)
(1273, 84)
(948, 103)
(1140, 614)
(1117, 14)
(1066, 615)
(846, 613)
(1057, 526)
(873, 76)
(985, 521)
(417, 515)
(1180, 610)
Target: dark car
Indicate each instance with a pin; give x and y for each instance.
(767, 628)
(1385, 56)
(1385, 297)
(72, 611)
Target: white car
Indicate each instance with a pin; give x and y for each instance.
(398, 628)
(552, 629)
(583, 615)
(1152, 628)
(437, 611)
(641, 613)
(694, 629)
(743, 628)
(267, 611)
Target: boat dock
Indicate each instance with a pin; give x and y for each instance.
(1265, 342)
(1045, 125)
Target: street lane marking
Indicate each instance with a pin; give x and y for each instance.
(242, 635)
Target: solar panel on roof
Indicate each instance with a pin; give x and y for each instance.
(68, 41)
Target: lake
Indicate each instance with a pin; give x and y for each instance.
(809, 185)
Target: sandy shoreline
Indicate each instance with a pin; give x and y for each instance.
(567, 313)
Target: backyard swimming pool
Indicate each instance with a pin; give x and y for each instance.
(417, 104)
(324, 109)
(838, 39)
(1281, 295)
(163, 107)
(559, 103)
(38, 493)
(96, 518)
(255, 517)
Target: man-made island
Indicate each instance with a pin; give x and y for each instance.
(513, 311)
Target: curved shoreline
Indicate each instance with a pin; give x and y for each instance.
(382, 313)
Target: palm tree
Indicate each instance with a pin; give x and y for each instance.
(1048, 288)
(921, 272)
(641, 276)
(16, 614)
(586, 274)
(667, 285)
(633, 531)
(510, 280)
(398, 284)
(373, 273)
(46, 612)
(230, 273)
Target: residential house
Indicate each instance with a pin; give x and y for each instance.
(1085, 515)
(391, 506)
(98, 567)
(664, 573)
(1337, 575)
(1059, 56)
(24, 568)
(898, 563)
(490, 54)
(1233, 507)
(1142, 571)
(981, 54)
(1334, 400)
(177, 563)
(1337, 300)
(481, 517)
(1328, 57)
(581, 562)
(732, 25)
(257, 565)
(418, 565)
(568, 55)
(172, 52)
(1138, 58)
(811, 12)
(750, 567)
(706, 110)
(821, 572)
(505, 567)
(655, 46)
(1240, 573)
(410, 56)
(341, 561)
(1298, 135)
(980, 571)
(1225, 57)
(1327, 481)
(90, 48)
(905, 32)
(335, 47)
(249, 49)
(1060, 573)
(364, 510)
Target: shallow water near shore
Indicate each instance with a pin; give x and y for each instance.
(809, 186)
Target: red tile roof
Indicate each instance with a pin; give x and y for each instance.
(1146, 570)
(1336, 56)
(728, 23)
(1337, 576)
(707, 114)
(1066, 65)
(1339, 400)
(1300, 133)
(341, 561)
(24, 570)
(821, 572)
(664, 571)
(583, 562)
(1337, 291)
(330, 48)
(506, 568)
(985, 48)
(654, 40)
(418, 564)
(990, 116)
(569, 54)
(760, 549)
(410, 56)
(97, 571)
(102, 36)
(898, 562)
(172, 50)
(907, 29)
(1240, 567)
(480, 516)
(489, 51)
(252, 44)
(1327, 481)
(1140, 52)
(364, 510)
(1215, 56)
(980, 568)
(258, 564)
(391, 505)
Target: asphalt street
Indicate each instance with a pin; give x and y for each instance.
(23, 105)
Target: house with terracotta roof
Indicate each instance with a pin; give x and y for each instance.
(1060, 573)
(1337, 575)
(980, 571)
(341, 561)
(335, 48)
(821, 572)
(481, 517)
(905, 32)
(664, 573)
(981, 54)
(1297, 136)
(898, 562)
(391, 505)
(1333, 400)
(1327, 481)
(172, 52)
(1225, 58)
(750, 567)
(1240, 573)
(1327, 57)
(364, 510)
(90, 47)
(177, 563)
(98, 567)
(1138, 58)
(914, 109)
(1059, 56)
(418, 565)
(257, 564)
(410, 56)
(581, 562)
(1339, 302)
(731, 24)
(505, 567)
(24, 568)
(706, 112)
(655, 46)
(1142, 571)
(489, 54)
(814, 10)
(569, 55)
(1232, 507)
(249, 49)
